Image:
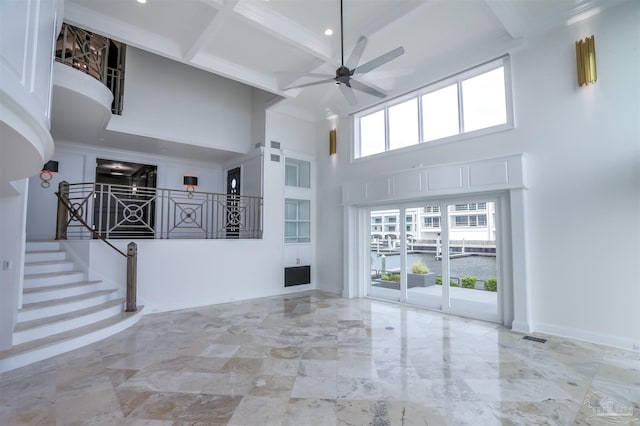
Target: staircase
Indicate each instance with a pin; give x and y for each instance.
(61, 309)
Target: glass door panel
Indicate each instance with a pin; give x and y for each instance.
(471, 233)
(422, 227)
(385, 254)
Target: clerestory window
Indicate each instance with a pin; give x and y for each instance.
(477, 100)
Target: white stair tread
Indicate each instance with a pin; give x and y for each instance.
(63, 300)
(46, 242)
(41, 322)
(67, 335)
(50, 275)
(48, 262)
(43, 251)
(59, 286)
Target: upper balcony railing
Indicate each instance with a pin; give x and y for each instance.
(118, 211)
(98, 56)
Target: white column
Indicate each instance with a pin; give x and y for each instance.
(519, 236)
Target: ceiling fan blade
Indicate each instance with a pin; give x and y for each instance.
(356, 54)
(313, 83)
(367, 89)
(380, 60)
(348, 93)
(304, 74)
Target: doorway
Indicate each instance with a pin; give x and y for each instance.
(125, 199)
(442, 255)
(233, 212)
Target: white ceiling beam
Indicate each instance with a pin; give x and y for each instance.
(115, 29)
(261, 17)
(237, 72)
(215, 3)
(213, 28)
(508, 15)
(154, 43)
(399, 10)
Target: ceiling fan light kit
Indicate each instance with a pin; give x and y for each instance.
(344, 77)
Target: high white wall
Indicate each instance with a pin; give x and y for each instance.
(583, 158)
(169, 100)
(178, 274)
(77, 163)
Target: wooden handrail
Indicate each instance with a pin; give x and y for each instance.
(72, 212)
(132, 248)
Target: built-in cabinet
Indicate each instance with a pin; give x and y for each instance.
(298, 219)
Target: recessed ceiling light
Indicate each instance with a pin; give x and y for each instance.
(141, 1)
(328, 32)
(116, 174)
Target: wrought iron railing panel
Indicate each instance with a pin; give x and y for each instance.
(96, 55)
(117, 211)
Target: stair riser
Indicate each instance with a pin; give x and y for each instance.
(49, 311)
(54, 280)
(42, 245)
(45, 256)
(59, 293)
(62, 266)
(40, 353)
(46, 330)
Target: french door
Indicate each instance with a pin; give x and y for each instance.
(441, 254)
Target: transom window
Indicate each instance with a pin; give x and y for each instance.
(297, 173)
(471, 101)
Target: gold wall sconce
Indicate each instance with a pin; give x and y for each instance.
(332, 142)
(586, 61)
(46, 174)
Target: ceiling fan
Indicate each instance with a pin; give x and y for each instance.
(346, 71)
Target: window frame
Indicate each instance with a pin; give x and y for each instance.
(503, 61)
(291, 162)
(289, 239)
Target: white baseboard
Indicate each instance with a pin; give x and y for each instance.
(521, 327)
(588, 336)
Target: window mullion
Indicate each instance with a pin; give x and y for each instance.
(420, 131)
(460, 110)
(387, 142)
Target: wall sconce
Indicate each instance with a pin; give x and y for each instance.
(586, 60)
(190, 182)
(332, 142)
(46, 174)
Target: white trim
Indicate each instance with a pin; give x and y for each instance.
(132, 156)
(502, 179)
(446, 180)
(587, 336)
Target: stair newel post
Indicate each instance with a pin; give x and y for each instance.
(132, 273)
(61, 218)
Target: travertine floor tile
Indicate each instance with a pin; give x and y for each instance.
(317, 359)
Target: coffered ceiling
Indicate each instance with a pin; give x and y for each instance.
(267, 43)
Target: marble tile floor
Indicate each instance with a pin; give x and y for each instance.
(314, 358)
